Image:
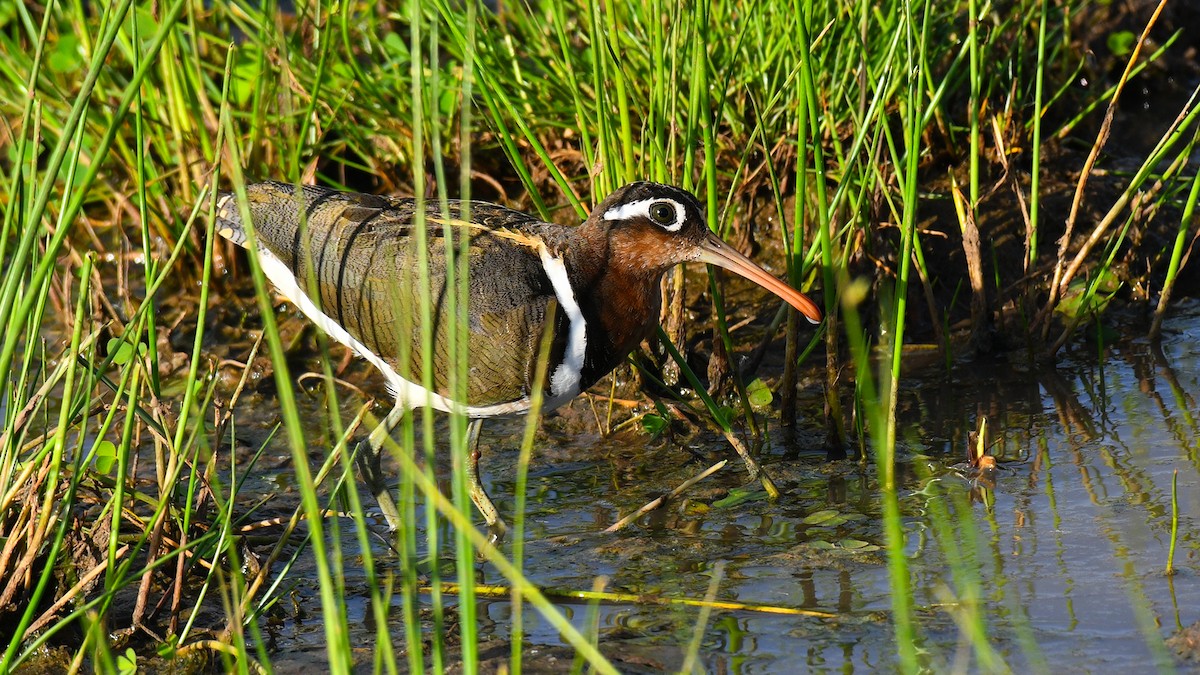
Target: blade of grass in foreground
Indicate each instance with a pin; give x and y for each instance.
(541, 367)
(456, 333)
(460, 439)
(332, 609)
(809, 135)
(464, 559)
(885, 445)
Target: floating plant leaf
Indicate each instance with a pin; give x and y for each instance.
(857, 546)
(739, 495)
(826, 518)
(846, 546)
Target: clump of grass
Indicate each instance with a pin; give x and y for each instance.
(835, 123)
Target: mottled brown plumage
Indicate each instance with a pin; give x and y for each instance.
(351, 262)
(356, 259)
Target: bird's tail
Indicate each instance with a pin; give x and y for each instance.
(229, 219)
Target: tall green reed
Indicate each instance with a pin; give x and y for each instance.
(692, 94)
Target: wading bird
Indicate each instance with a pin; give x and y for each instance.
(349, 262)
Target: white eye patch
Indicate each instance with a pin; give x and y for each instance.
(642, 208)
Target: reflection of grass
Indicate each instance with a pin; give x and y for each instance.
(1170, 569)
(134, 115)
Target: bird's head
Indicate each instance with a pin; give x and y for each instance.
(652, 227)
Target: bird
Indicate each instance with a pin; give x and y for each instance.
(349, 262)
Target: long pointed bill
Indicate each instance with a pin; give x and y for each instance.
(716, 252)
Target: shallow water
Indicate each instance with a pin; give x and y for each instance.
(1069, 544)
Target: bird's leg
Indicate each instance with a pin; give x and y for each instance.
(369, 457)
(478, 495)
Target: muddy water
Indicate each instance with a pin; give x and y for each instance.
(1068, 542)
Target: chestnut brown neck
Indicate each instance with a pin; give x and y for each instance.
(618, 292)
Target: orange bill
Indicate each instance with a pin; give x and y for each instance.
(716, 252)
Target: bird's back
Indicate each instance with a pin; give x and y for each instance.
(350, 261)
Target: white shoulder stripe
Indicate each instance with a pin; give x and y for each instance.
(642, 208)
(567, 377)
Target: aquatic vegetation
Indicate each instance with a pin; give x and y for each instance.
(953, 181)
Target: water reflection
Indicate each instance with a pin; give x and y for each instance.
(1067, 541)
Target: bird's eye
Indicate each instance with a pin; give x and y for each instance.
(662, 213)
